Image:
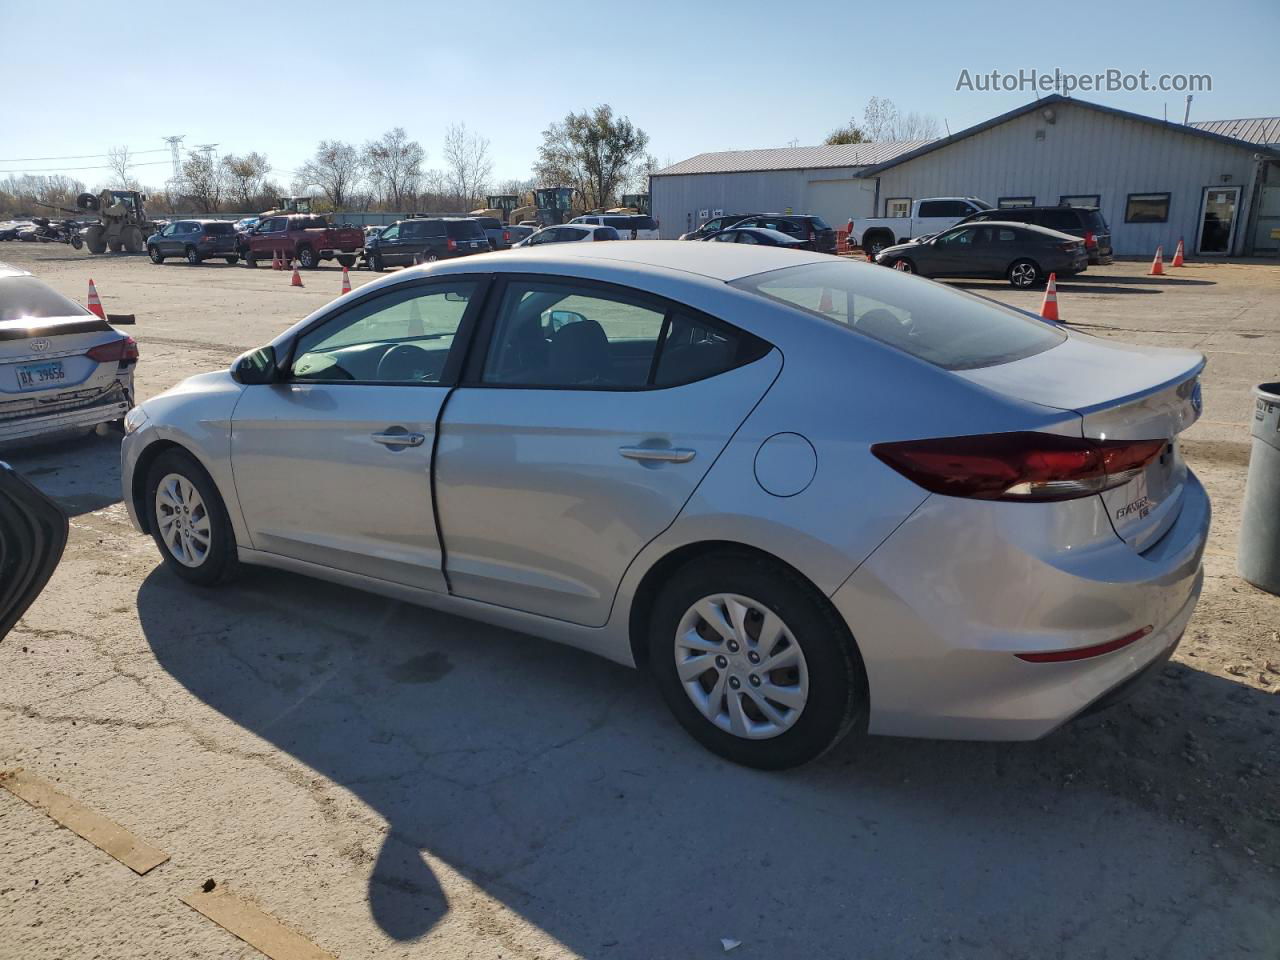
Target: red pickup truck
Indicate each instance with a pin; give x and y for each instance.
(307, 237)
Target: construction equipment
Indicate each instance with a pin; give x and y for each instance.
(501, 206)
(122, 220)
(550, 206)
(639, 202)
(286, 205)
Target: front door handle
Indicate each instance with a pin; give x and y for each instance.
(661, 454)
(399, 439)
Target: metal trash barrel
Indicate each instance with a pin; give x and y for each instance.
(1259, 558)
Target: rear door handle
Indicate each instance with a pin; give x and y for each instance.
(661, 454)
(399, 439)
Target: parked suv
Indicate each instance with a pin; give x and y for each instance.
(801, 226)
(715, 225)
(1084, 222)
(406, 242)
(629, 226)
(196, 240)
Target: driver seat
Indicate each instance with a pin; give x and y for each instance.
(579, 353)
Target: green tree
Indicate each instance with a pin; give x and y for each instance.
(593, 151)
(849, 133)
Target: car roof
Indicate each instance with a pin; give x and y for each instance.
(1037, 207)
(715, 261)
(769, 231)
(1018, 225)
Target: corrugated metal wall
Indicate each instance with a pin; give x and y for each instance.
(1084, 152)
(831, 193)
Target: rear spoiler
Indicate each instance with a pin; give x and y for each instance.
(33, 534)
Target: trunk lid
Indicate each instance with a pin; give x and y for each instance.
(43, 360)
(1121, 392)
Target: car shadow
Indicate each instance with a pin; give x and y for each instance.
(81, 471)
(558, 783)
(1064, 286)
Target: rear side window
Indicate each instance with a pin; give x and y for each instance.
(643, 223)
(1064, 219)
(22, 297)
(219, 229)
(606, 233)
(464, 230)
(941, 325)
(944, 208)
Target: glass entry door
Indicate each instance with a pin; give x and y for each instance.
(1217, 220)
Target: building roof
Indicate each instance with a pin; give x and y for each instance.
(1263, 130)
(1057, 98)
(793, 158)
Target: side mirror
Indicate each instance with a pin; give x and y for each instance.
(255, 367)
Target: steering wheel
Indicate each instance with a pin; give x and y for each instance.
(405, 361)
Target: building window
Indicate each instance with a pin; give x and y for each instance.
(1080, 200)
(1147, 208)
(1008, 203)
(897, 207)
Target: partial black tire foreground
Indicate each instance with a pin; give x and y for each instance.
(33, 534)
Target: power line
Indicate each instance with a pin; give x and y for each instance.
(80, 156)
(105, 166)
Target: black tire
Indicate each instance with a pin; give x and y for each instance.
(249, 259)
(347, 260)
(154, 253)
(307, 258)
(220, 564)
(1025, 274)
(232, 260)
(193, 257)
(76, 241)
(876, 242)
(375, 263)
(837, 697)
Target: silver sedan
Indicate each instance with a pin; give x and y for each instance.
(808, 495)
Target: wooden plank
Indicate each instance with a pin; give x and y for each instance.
(104, 834)
(258, 929)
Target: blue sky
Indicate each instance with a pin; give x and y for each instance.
(696, 76)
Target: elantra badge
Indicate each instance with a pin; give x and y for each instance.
(41, 345)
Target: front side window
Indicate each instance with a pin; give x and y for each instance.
(959, 238)
(170, 230)
(391, 233)
(933, 322)
(403, 336)
(562, 334)
(1147, 208)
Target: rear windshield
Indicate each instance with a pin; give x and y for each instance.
(219, 229)
(946, 327)
(464, 230)
(820, 223)
(27, 297)
(489, 223)
(1093, 220)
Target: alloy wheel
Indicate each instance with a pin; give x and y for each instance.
(1023, 274)
(183, 520)
(741, 666)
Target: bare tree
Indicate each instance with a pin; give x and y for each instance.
(119, 159)
(592, 151)
(245, 177)
(467, 164)
(205, 181)
(881, 121)
(21, 194)
(395, 163)
(336, 169)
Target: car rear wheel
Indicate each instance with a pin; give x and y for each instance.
(189, 521)
(430, 258)
(375, 263)
(193, 256)
(154, 253)
(754, 662)
(233, 260)
(876, 242)
(1024, 274)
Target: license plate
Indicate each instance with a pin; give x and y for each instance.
(36, 376)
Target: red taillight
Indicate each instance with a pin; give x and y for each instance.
(123, 350)
(451, 244)
(506, 236)
(1026, 467)
(1084, 653)
(1090, 241)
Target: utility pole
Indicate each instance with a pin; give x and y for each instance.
(175, 180)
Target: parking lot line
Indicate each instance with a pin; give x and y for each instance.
(258, 929)
(106, 835)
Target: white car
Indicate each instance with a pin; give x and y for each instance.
(61, 367)
(569, 233)
(808, 495)
(629, 226)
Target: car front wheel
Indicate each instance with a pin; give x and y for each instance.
(1024, 274)
(154, 253)
(754, 662)
(188, 520)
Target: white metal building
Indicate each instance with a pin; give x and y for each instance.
(1214, 184)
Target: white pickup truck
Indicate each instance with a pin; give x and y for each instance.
(927, 217)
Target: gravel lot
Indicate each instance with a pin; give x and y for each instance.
(393, 782)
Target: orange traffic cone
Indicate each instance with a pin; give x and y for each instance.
(95, 305)
(1049, 309)
(824, 304)
(1157, 265)
(1177, 255)
(346, 281)
(901, 265)
(297, 277)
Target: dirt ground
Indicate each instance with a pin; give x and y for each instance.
(393, 782)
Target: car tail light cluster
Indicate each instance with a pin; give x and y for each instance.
(1024, 467)
(506, 236)
(124, 350)
(1090, 241)
(451, 244)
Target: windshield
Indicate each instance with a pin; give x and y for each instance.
(946, 327)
